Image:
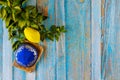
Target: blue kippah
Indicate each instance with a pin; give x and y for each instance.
(26, 55)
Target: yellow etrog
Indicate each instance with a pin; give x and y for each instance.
(32, 35)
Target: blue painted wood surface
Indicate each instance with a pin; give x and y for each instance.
(1, 49)
(88, 51)
(96, 39)
(77, 20)
(110, 40)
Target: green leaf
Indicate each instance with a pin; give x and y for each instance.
(15, 45)
(62, 29)
(3, 12)
(57, 37)
(34, 26)
(16, 3)
(0, 13)
(33, 13)
(51, 37)
(17, 8)
(41, 27)
(24, 1)
(23, 15)
(7, 21)
(8, 3)
(40, 18)
(28, 23)
(13, 15)
(21, 23)
(27, 15)
(3, 3)
(22, 36)
(29, 7)
(8, 9)
(10, 27)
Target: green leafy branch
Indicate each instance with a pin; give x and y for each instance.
(17, 17)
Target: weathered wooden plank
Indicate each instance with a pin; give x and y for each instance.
(31, 76)
(1, 47)
(96, 39)
(18, 74)
(46, 70)
(60, 45)
(77, 20)
(111, 40)
(40, 71)
(7, 56)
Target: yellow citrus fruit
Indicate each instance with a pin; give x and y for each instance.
(32, 35)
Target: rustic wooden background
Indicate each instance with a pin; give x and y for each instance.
(90, 49)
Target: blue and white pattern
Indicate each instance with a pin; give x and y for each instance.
(26, 55)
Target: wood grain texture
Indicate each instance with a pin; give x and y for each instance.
(7, 56)
(96, 39)
(88, 51)
(31, 76)
(77, 20)
(46, 69)
(60, 45)
(110, 40)
(1, 47)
